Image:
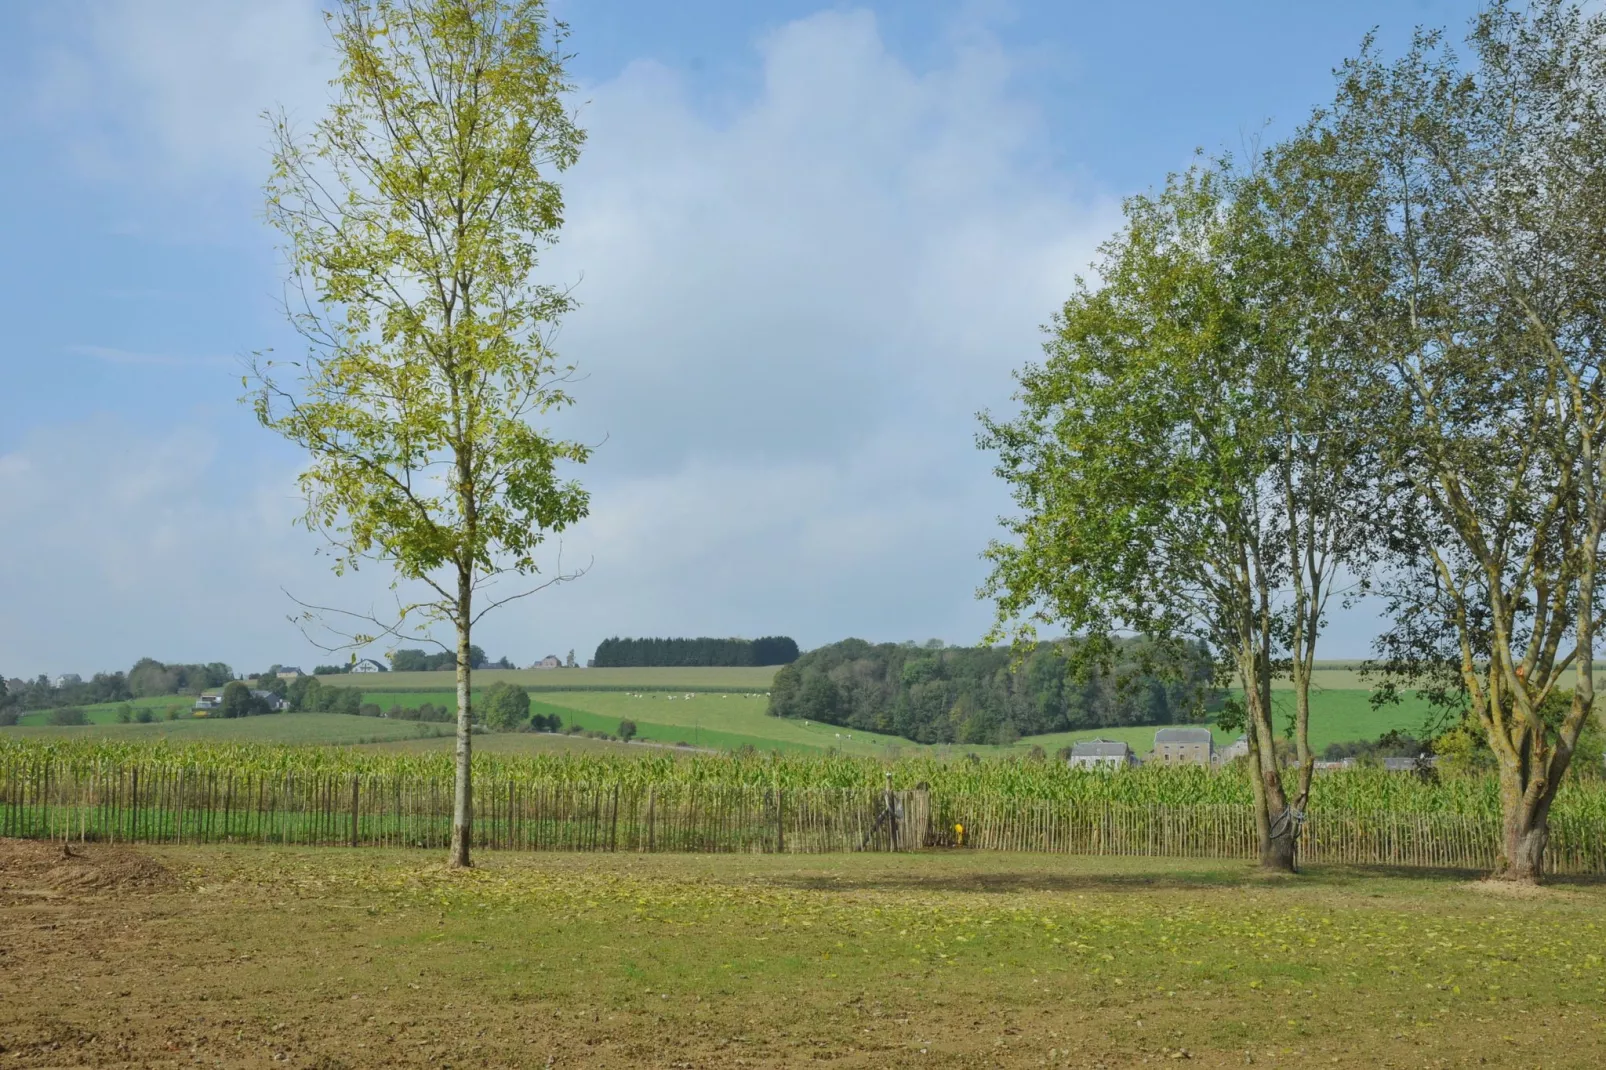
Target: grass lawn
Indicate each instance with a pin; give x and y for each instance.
(514, 743)
(337, 958)
(722, 720)
(330, 729)
(106, 712)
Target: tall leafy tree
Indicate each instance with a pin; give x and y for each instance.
(1485, 205)
(413, 216)
(1172, 460)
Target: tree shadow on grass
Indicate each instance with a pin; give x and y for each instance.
(1213, 874)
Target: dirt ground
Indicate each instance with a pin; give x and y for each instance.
(116, 957)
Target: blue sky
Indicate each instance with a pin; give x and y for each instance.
(809, 242)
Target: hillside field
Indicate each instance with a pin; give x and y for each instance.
(325, 729)
(707, 720)
(689, 679)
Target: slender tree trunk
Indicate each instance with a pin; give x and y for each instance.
(1273, 824)
(463, 798)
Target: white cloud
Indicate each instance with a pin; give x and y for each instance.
(790, 314)
(171, 91)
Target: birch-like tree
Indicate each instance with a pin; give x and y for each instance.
(413, 216)
(1485, 202)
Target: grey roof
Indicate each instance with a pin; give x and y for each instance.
(1182, 735)
(1405, 765)
(1099, 748)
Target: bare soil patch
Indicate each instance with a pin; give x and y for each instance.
(34, 866)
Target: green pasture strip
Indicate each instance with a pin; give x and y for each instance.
(106, 712)
(511, 744)
(325, 729)
(729, 679)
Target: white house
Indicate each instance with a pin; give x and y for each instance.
(69, 679)
(551, 661)
(367, 665)
(1107, 753)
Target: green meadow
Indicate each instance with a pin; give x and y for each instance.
(715, 709)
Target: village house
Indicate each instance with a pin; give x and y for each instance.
(367, 665)
(1238, 748)
(1101, 753)
(551, 661)
(1183, 746)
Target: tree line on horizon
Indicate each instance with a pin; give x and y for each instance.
(619, 653)
(988, 695)
(146, 679)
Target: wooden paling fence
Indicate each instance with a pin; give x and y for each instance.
(163, 805)
(1436, 840)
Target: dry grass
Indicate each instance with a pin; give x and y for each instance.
(344, 959)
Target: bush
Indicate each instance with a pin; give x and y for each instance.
(173, 712)
(144, 716)
(627, 730)
(68, 715)
(125, 714)
(506, 706)
(8, 718)
(368, 709)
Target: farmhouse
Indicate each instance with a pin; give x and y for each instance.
(1095, 753)
(1238, 748)
(1183, 746)
(551, 661)
(69, 679)
(367, 665)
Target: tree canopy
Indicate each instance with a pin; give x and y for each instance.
(982, 695)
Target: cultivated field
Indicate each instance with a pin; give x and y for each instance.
(325, 729)
(718, 708)
(690, 679)
(338, 958)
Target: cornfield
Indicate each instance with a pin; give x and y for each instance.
(665, 801)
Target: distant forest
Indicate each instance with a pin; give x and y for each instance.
(972, 695)
(148, 677)
(624, 653)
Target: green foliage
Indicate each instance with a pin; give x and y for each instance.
(627, 730)
(238, 701)
(979, 695)
(1358, 791)
(125, 714)
(414, 660)
(143, 715)
(68, 715)
(621, 653)
(413, 216)
(150, 677)
(505, 707)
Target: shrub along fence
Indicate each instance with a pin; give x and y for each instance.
(162, 803)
